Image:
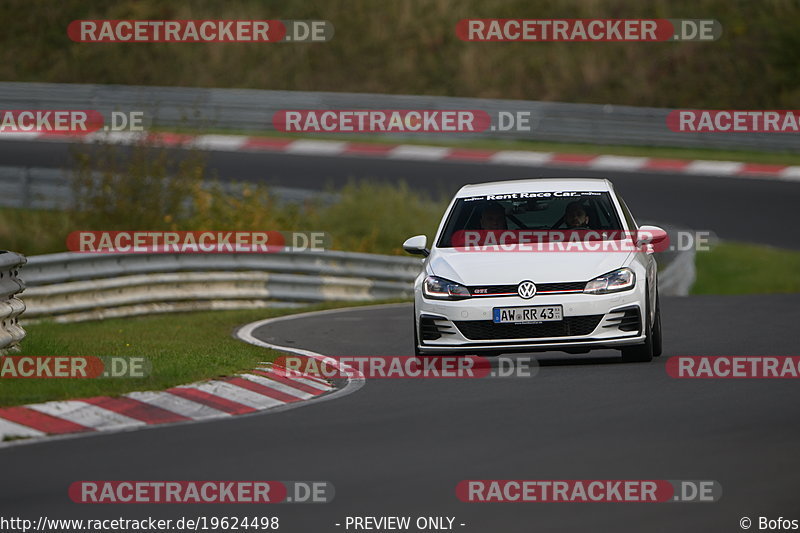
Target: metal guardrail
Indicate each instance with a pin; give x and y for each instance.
(73, 286)
(676, 273)
(678, 276)
(34, 188)
(11, 307)
(252, 110)
(51, 188)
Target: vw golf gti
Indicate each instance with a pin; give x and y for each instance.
(535, 265)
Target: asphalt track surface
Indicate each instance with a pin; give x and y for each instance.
(751, 210)
(399, 447)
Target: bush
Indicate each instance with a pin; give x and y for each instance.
(142, 189)
(377, 217)
(146, 189)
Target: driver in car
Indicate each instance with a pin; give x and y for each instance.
(575, 216)
(493, 217)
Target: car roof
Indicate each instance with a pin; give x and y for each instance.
(536, 185)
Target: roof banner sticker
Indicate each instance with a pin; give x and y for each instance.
(524, 195)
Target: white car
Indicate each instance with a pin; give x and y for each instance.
(497, 279)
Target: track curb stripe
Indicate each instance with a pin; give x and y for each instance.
(258, 390)
(311, 380)
(191, 409)
(45, 423)
(211, 400)
(294, 383)
(10, 428)
(131, 408)
(262, 390)
(417, 152)
(87, 414)
(286, 389)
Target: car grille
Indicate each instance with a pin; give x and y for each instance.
(488, 330)
(511, 290)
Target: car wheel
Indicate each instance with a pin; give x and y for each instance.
(641, 353)
(657, 329)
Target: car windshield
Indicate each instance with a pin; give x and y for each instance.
(554, 210)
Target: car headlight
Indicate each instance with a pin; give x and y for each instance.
(443, 289)
(619, 280)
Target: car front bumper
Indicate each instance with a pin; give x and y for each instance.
(589, 321)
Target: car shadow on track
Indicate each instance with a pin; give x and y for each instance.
(607, 357)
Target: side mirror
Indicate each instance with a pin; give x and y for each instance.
(652, 235)
(416, 245)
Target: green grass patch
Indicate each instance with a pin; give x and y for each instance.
(736, 268)
(182, 348)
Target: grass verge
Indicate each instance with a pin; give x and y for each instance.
(737, 268)
(182, 348)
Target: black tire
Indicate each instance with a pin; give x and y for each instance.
(641, 353)
(657, 348)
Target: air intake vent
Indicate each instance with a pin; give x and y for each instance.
(625, 320)
(432, 328)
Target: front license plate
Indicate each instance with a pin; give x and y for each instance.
(517, 315)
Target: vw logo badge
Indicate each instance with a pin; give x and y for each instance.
(526, 290)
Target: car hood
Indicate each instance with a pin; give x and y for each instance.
(506, 268)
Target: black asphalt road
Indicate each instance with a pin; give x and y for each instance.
(399, 447)
(751, 210)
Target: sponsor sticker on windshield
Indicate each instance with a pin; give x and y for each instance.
(527, 195)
